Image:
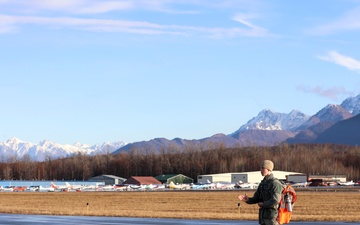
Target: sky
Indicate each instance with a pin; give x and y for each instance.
(95, 71)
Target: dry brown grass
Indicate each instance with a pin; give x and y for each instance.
(311, 206)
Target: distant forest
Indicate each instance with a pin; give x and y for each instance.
(194, 161)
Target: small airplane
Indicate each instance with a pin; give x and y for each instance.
(149, 187)
(159, 186)
(65, 187)
(88, 188)
(206, 186)
(105, 188)
(135, 187)
(120, 187)
(248, 185)
(223, 185)
(348, 183)
(199, 186)
(178, 186)
(8, 188)
(46, 189)
(33, 188)
(19, 188)
(300, 184)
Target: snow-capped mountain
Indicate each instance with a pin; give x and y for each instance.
(17, 148)
(267, 128)
(331, 113)
(352, 105)
(270, 120)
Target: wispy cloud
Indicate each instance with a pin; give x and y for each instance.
(99, 25)
(73, 6)
(345, 61)
(334, 93)
(89, 15)
(104, 6)
(245, 20)
(348, 22)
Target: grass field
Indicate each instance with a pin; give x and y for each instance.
(310, 206)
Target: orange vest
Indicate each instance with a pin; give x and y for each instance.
(284, 215)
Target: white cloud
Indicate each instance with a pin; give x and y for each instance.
(334, 93)
(348, 22)
(125, 26)
(61, 14)
(244, 19)
(345, 61)
(66, 6)
(104, 6)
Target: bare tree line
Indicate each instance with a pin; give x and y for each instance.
(193, 161)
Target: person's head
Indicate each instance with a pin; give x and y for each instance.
(266, 167)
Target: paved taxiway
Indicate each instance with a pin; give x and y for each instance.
(16, 219)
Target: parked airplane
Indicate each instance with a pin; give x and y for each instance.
(46, 189)
(65, 187)
(8, 188)
(134, 187)
(19, 188)
(300, 184)
(248, 185)
(159, 186)
(348, 183)
(88, 188)
(120, 187)
(179, 186)
(33, 188)
(149, 187)
(224, 185)
(199, 186)
(105, 188)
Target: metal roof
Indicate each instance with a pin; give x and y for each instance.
(142, 180)
(108, 176)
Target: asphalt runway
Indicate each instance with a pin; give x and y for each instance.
(16, 219)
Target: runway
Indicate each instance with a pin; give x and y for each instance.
(16, 219)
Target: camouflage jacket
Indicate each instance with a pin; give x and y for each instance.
(268, 192)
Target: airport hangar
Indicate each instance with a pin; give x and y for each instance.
(242, 177)
(108, 179)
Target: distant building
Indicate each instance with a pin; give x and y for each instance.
(176, 178)
(297, 178)
(243, 177)
(328, 178)
(138, 180)
(108, 179)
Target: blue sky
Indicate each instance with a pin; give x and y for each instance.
(93, 71)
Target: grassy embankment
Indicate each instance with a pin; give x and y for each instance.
(311, 205)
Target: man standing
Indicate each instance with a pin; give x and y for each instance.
(267, 195)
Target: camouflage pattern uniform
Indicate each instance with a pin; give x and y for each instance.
(268, 192)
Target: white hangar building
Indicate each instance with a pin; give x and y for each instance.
(242, 177)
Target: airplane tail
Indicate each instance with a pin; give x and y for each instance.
(68, 185)
(53, 185)
(172, 185)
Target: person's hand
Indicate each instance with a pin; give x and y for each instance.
(260, 204)
(243, 198)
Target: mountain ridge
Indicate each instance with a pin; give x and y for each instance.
(16, 148)
(268, 128)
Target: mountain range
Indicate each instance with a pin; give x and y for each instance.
(337, 124)
(271, 128)
(15, 148)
